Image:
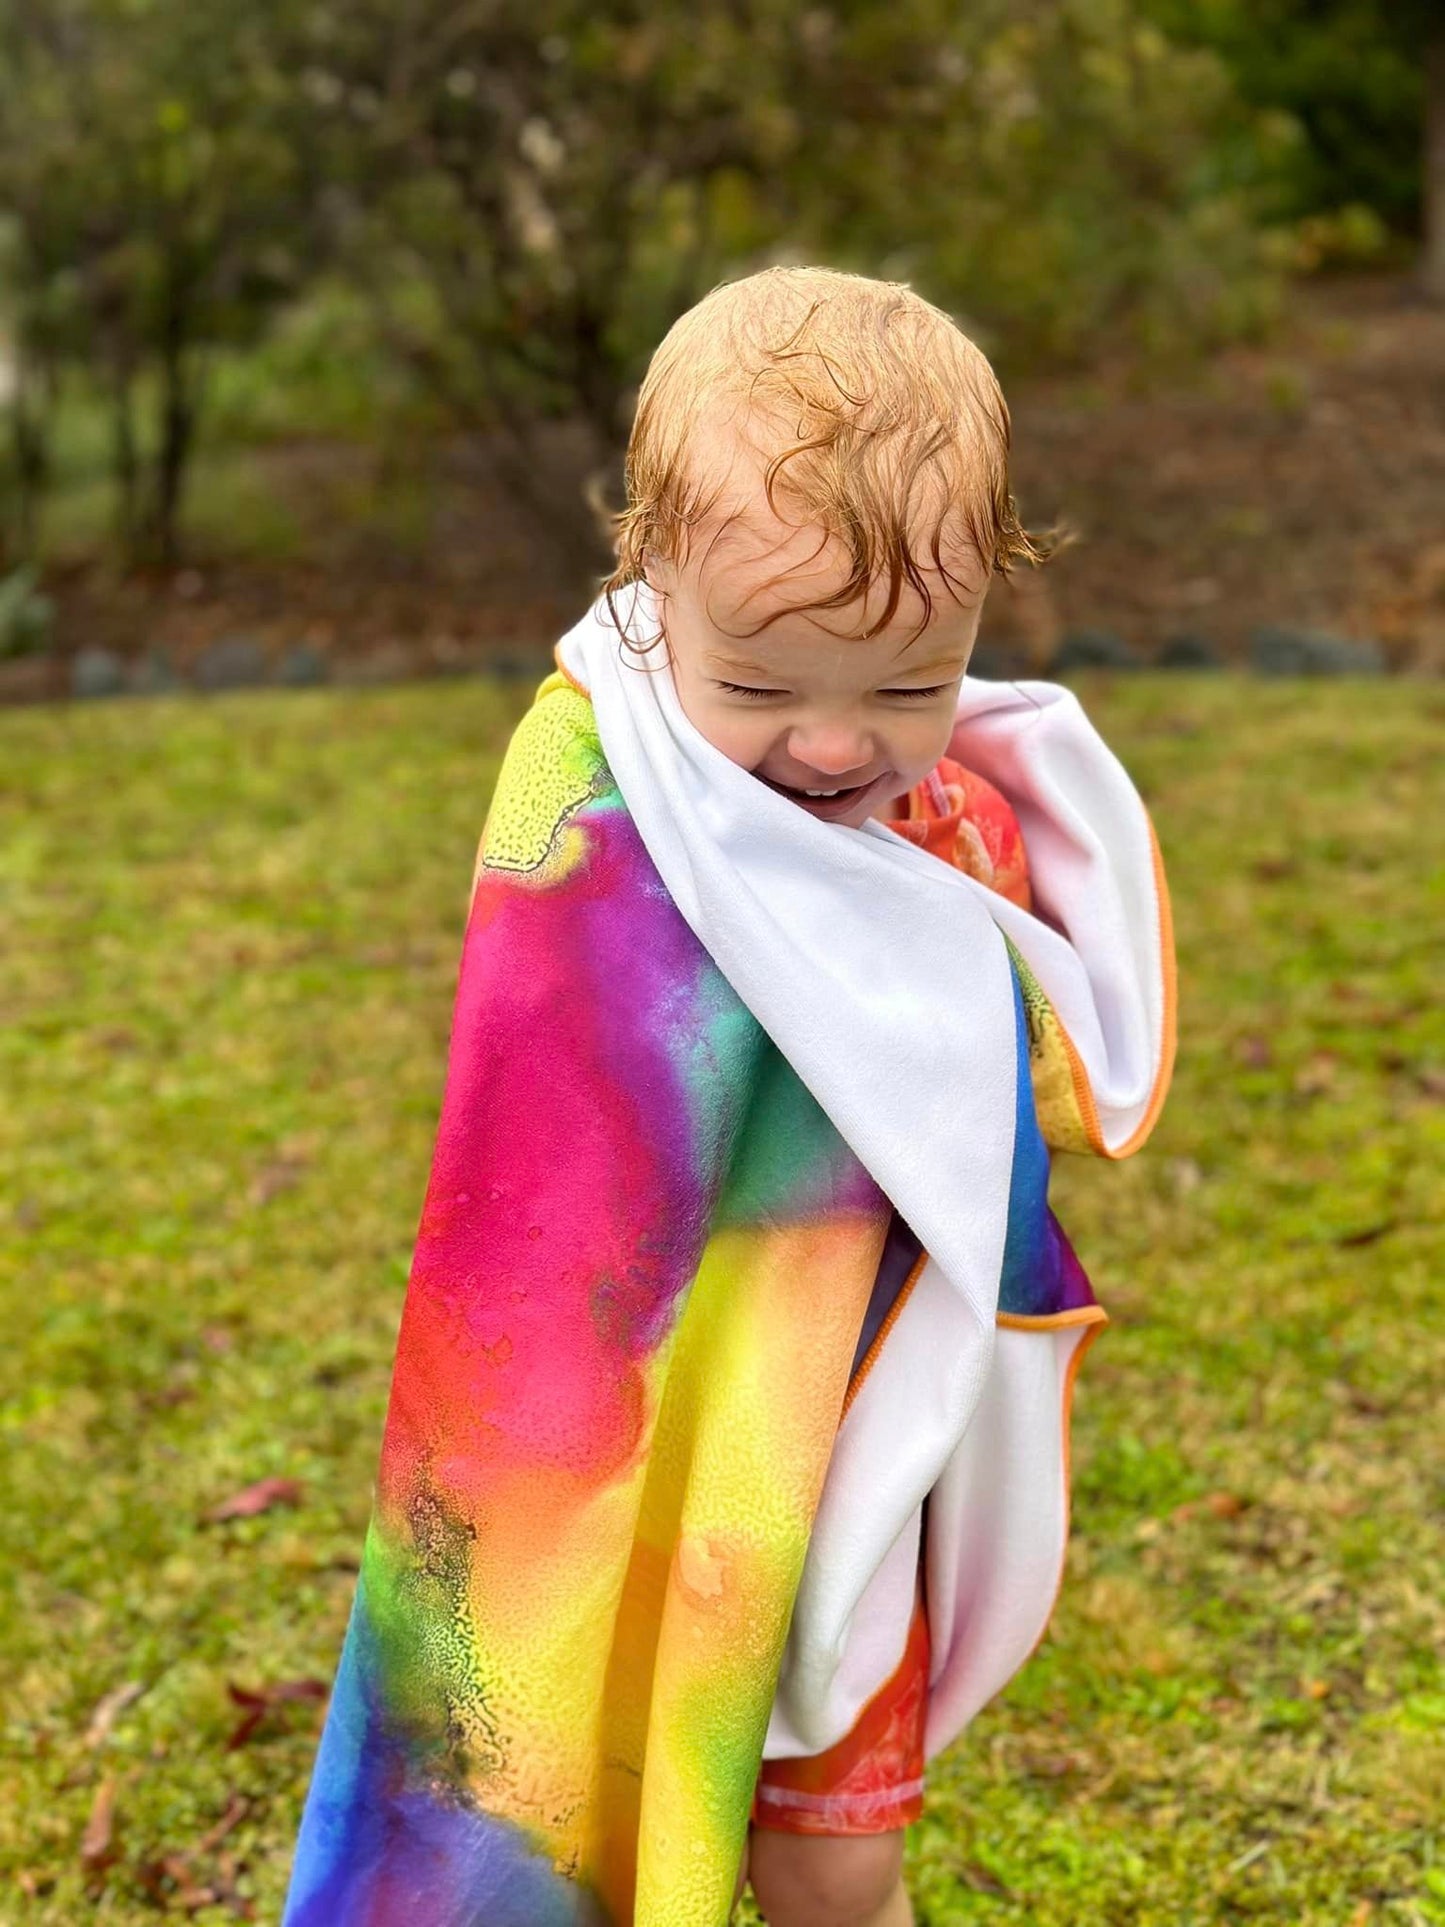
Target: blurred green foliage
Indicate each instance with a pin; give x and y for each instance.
(520, 198)
(1350, 77)
(155, 201)
(25, 614)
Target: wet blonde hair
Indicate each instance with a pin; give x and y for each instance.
(871, 405)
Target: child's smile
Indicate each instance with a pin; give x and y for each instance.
(833, 805)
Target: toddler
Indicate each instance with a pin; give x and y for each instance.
(725, 1472)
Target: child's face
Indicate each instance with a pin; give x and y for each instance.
(807, 704)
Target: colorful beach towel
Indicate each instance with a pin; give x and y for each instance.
(637, 1522)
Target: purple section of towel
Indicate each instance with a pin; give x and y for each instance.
(900, 1254)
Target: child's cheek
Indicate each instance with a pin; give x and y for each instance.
(917, 742)
(741, 737)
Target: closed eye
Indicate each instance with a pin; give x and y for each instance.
(741, 689)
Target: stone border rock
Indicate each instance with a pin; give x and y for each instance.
(239, 661)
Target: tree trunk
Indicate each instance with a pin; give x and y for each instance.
(1433, 263)
(173, 457)
(30, 412)
(125, 464)
(176, 427)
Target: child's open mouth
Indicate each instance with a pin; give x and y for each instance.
(828, 803)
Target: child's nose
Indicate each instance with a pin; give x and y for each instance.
(832, 749)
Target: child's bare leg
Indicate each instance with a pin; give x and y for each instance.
(829, 1880)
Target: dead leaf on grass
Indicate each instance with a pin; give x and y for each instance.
(1318, 1074)
(983, 1882)
(108, 1711)
(282, 1174)
(1352, 1240)
(259, 1703)
(1052, 1766)
(184, 1890)
(259, 1497)
(179, 1393)
(1366, 1404)
(1225, 1505)
(1220, 1505)
(237, 1807)
(173, 1879)
(97, 1843)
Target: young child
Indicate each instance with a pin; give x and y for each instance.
(725, 1471)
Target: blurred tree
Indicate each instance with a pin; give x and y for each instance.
(159, 203)
(1365, 81)
(539, 186)
(531, 190)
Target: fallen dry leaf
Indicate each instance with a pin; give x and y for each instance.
(97, 1843)
(109, 1710)
(237, 1807)
(259, 1703)
(1051, 1766)
(242, 1908)
(1352, 1240)
(983, 1882)
(282, 1174)
(171, 1878)
(184, 1888)
(1318, 1074)
(1224, 1505)
(257, 1498)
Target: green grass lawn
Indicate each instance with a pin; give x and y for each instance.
(230, 935)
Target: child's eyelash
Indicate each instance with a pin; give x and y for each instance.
(740, 689)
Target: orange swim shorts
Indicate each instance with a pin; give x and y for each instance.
(870, 1781)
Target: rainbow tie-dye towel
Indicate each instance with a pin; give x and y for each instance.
(643, 1264)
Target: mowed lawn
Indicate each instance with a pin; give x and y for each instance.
(230, 934)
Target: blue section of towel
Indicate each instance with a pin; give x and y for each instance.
(900, 1254)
